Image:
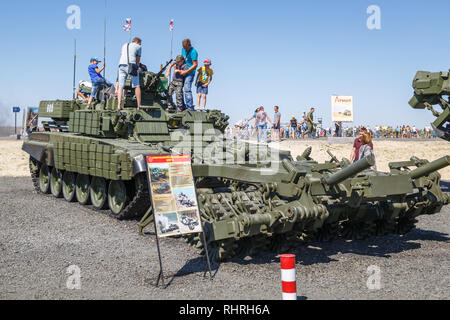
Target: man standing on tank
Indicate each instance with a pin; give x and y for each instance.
(130, 54)
(191, 58)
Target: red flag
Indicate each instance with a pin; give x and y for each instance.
(171, 25)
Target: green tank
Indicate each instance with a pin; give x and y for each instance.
(252, 198)
(431, 88)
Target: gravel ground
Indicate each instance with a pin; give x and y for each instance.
(41, 236)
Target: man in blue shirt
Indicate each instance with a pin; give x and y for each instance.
(96, 78)
(191, 58)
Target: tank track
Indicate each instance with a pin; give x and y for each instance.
(140, 202)
(137, 192)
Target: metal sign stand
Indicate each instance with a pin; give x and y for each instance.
(146, 220)
(161, 271)
(208, 263)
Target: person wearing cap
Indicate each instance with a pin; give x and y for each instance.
(293, 127)
(97, 79)
(176, 85)
(204, 78)
(191, 58)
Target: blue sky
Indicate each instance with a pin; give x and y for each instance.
(294, 54)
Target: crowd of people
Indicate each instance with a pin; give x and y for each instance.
(257, 126)
(260, 129)
(399, 132)
(130, 67)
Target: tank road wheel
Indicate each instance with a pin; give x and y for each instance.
(117, 198)
(99, 193)
(82, 189)
(68, 186)
(56, 183)
(44, 179)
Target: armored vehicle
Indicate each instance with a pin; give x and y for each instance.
(347, 113)
(251, 197)
(431, 88)
(189, 222)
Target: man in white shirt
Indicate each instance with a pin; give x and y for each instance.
(135, 51)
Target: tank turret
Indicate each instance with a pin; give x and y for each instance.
(433, 88)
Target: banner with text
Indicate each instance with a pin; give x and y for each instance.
(342, 108)
(173, 193)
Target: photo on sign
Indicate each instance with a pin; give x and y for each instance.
(342, 112)
(167, 224)
(164, 205)
(161, 189)
(159, 173)
(181, 175)
(189, 221)
(185, 198)
(31, 120)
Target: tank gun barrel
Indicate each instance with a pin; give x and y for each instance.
(430, 167)
(349, 171)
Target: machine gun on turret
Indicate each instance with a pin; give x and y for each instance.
(430, 89)
(155, 78)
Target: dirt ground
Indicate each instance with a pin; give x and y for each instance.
(14, 162)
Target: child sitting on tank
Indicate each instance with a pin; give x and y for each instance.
(98, 82)
(176, 85)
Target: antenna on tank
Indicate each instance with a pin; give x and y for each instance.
(104, 41)
(74, 65)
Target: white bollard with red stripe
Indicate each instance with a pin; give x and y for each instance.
(288, 282)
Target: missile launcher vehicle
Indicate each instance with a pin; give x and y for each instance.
(252, 198)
